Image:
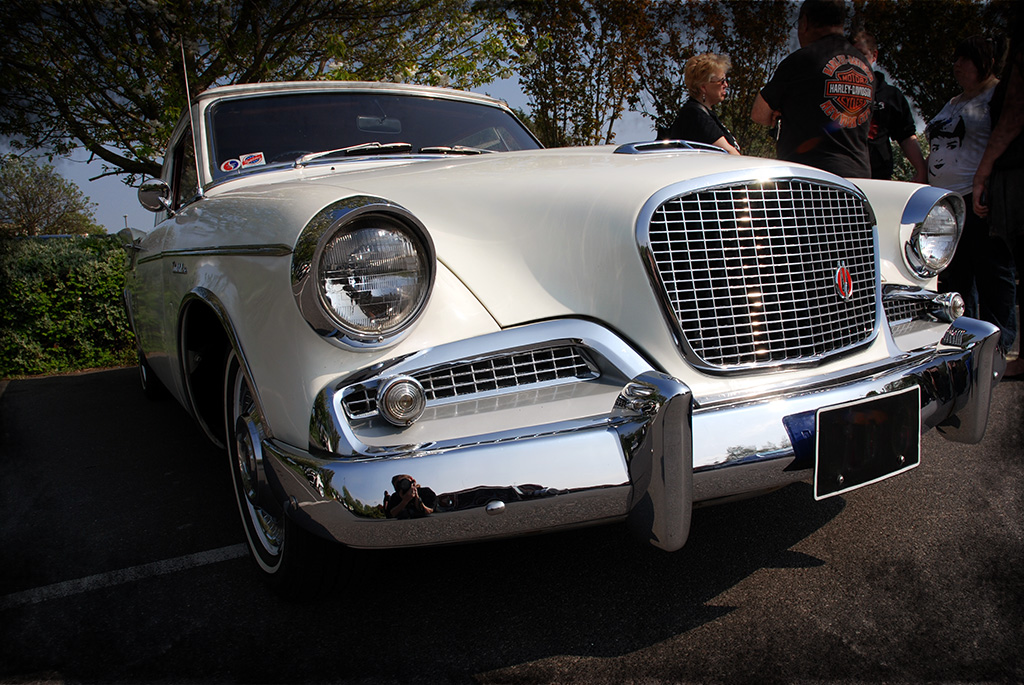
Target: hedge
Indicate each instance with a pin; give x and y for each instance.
(60, 305)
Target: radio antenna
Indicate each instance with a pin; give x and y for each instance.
(191, 121)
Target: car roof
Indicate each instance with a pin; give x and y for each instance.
(244, 89)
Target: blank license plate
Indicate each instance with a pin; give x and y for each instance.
(865, 441)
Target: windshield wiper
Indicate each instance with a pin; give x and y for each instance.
(453, 150)
(351, 150)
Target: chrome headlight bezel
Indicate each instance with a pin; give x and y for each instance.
(335, 223)
(937, 219)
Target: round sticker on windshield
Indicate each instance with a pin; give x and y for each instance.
(230, 165)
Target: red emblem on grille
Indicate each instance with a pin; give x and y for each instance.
(844, 282)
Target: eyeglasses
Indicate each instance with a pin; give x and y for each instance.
(724, 81)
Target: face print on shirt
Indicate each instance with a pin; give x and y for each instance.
(945, 142)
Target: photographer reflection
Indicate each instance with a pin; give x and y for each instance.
(409, 500)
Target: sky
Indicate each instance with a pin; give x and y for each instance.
(117, 205)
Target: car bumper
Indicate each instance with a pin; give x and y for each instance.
(646, 461)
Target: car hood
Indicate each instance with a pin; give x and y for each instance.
(533, 235)
(547, 233)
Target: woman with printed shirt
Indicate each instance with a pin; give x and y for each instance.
(707, 85)
(981, 270)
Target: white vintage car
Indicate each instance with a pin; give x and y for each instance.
(408, 324)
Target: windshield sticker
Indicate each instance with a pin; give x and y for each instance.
(252, 159)
(230, 165)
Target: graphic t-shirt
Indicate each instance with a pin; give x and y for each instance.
(824, 92)
(957, 137)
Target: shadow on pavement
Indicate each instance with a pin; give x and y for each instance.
(97, 479)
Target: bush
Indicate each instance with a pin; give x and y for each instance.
(60, 305)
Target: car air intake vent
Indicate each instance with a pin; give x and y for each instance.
(766, 273)
(489, 376)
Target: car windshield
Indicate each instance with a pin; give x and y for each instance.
(255, 131)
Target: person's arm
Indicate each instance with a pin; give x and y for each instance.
(912, 150)
(763, 114)
(724, 144)
(1009, 126)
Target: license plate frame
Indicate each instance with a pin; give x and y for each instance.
(865, 441)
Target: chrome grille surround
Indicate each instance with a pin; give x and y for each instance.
(747, 270)
(511, 371)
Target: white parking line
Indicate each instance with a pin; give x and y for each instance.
(119, 577)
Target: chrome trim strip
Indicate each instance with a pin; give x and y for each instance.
(227, 251)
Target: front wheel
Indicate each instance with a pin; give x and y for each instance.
(289, 558)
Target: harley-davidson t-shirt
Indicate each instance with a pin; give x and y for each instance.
(824, 92)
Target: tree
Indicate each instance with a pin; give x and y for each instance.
(577, 64)
(923, 67)
(36, 200)
(754, 34)
(107, 75)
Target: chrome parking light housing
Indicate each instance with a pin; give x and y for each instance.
(401, 400)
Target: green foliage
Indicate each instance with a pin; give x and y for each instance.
(448, 43)
(36, 200)
(902, 169)
(60, 305)
(584, 62)
(577, 64)
(754, 34)
(922, 67)
(107, 75)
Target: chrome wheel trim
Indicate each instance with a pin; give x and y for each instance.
(144, 379)
(264, 530)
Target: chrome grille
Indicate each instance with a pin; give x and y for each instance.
(899, 311)
(511, 371)
(749, 271)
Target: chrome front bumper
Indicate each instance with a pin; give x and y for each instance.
(647, 461)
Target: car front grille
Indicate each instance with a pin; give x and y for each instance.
(492, 375)
(750, 271)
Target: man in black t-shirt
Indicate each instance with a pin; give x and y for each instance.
(892, 119)
(820, 96)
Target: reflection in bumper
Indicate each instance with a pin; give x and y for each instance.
(647, 460)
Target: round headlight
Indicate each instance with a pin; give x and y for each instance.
(933, 241)
(373, 277)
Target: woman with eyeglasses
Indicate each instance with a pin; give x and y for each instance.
(707, 85)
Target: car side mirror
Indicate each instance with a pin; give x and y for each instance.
(155, 195)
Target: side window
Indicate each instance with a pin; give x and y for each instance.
(185, 183)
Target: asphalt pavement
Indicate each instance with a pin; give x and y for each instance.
(123, 562)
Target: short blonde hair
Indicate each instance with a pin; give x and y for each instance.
(698, 70)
